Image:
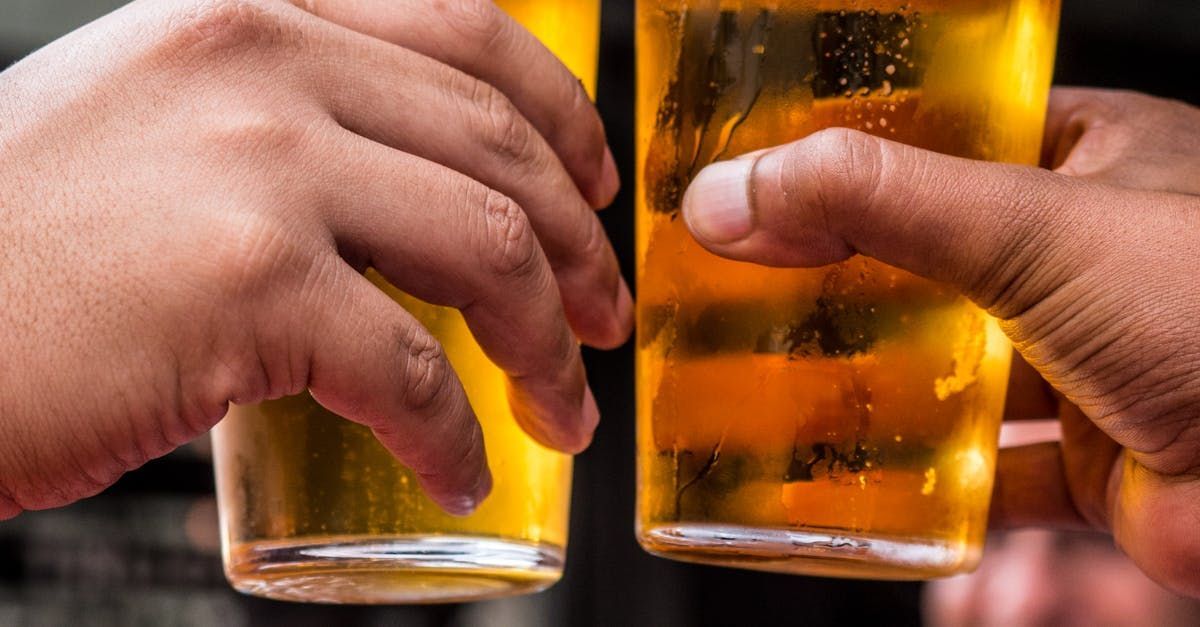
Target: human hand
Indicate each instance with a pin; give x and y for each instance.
(192, 189)
(1091, 268)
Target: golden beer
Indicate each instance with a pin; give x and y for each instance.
(313, 508)
(838, 421)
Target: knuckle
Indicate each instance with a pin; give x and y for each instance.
(258, 250)
(510, 250)
(427, 372)
(479, 21)
(595, 245)
(217, 26)
(257, 131)
(843, 166)
(506, 132)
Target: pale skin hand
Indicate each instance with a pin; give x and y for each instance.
(192, 188)
(1093, 269)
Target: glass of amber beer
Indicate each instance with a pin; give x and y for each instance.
(838, 421)
(313, 508)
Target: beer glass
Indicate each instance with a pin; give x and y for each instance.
(313, 508)
(839, 421)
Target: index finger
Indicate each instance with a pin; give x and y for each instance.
(478, 38)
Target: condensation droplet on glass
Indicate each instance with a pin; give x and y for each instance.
(885, 88)
(890, 69)
(883, 122)
(930, 481)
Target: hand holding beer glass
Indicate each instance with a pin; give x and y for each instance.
(837, 421)
(314, 508)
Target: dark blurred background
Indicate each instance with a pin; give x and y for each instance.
(145, 552)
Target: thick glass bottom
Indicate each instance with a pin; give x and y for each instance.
(832, 553)
(392, 569)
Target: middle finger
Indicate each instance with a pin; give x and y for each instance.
(449, 240)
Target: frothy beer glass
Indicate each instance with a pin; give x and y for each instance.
(839, 421)
(313, 508)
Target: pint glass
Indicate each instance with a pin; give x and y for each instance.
(313, 508)
(838, 421)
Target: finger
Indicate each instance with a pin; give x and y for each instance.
(451, 241)
(1031, 489)
(375, 364)
(1124, 138)
(1064, 125)
(478, 38)
(1005, 235)
(1155, 520)
(425, 108)
(1067, 485)
(1092, 461)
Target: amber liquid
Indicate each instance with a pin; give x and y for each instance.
(835, 421)
(313, 508)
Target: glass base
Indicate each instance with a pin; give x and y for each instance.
(809, 552)
(392, 569)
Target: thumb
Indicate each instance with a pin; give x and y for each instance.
(1005, 235)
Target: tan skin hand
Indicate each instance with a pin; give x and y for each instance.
(1091, 267)
(193, 188)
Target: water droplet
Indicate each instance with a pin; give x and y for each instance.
(930, 481)
(883, 122)
(890, 69)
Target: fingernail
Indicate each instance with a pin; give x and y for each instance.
(716, 206)
(625, 307)
(610, 180)
(484, 489)
(461, 506)
(466, 505)
(591, 411)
